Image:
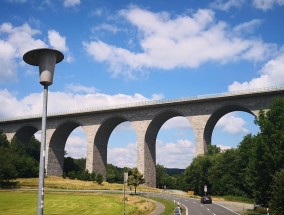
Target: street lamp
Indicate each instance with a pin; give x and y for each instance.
(46, 59)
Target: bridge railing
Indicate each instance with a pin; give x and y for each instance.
(149, 103)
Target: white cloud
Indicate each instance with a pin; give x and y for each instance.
(193, 41)
(175, 155)
(71, 3)
(224, 148)
(123, 156)
(232, 124)
(271, 75)
(177, 123)
(57, 41)
(227, 4)
(20, 38)
(77, 88)
(247, 27)
(76, 146)
(17, 40)
(106, 27)
(263, 4)
(61, 102)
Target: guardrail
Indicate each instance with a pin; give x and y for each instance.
(148, 103)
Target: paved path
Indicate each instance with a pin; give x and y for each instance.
(160, 208)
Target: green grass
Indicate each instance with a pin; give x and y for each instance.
(25, 203)
(169, 205)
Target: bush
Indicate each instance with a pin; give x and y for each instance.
(99, 178)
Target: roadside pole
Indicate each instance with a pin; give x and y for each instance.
(124, 182)
(205, 190)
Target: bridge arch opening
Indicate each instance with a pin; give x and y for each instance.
(57, 146)
(228, 125)
(101, 143)
(122, 151)
(25, 133)
(162, 146)
(26, 146)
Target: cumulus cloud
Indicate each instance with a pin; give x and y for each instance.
(76, 146)
(232, 124)
(57, 41)
(71, 3)
(61, 102)
(193, 41)
(176, 123)
(17, 40)
(123, 156)
(271, 74)
(177, 154)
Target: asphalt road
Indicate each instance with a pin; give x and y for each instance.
(194, 206)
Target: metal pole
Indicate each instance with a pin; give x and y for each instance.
(42, 154)
(124, 198)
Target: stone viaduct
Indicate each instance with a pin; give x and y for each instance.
(202, 112)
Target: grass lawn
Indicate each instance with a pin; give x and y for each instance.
(25, 203)
(169, 205)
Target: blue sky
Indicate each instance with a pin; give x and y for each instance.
(119, 52)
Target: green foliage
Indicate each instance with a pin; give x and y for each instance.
(269, 153)
(70, 165)
(8, 170)
(135, 178)
(213, 150)
(196, 175)
(164, 180)
(276, 203)
(114, 174)
(17, 160)
(99, 178)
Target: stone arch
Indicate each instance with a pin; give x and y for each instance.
(150, 144)
(56, 147)
(25, 133)
(218, 114)
(101, 143)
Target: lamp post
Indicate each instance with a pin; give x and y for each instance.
(46, 59)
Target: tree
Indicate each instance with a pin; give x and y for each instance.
(269, 150)
(246, 159)
(196, 175)
(212, 150)
(99, 178)
(8, 170)
(223, 174)
(276, 203)
(135, 179)
(161, 175)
